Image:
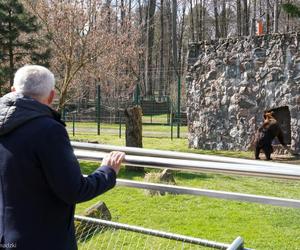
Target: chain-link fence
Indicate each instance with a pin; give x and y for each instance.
(106, 115)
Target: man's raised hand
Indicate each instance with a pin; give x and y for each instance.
(114, 160)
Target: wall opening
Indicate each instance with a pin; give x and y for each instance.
(283, 116)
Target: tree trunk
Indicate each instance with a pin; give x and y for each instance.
(133, 122)
(122, 13)
(162, 42)
(224, 20)
(192, 21)
(198, 23)
(169, 65)
(217, 31)
(11, 55)
(174, 37)
(116, 17)
(203, 5)
(141, 66)
(275, 29)
(268, 22)
(238, 18)
(149, 48)
(180, 42)
(253, 22)
(200, 20)
(287, 20)
(129, 10)
(245, 18)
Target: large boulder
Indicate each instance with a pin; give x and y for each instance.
(85, 230)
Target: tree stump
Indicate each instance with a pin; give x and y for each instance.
(134, 138)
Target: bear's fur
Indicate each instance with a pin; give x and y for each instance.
(265, 135)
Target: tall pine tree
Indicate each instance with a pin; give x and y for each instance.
(19, 41)
(291, 9)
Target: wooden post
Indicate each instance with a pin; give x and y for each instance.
(133, 121)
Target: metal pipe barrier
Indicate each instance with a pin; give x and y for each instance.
(237, 244)
(284, 171)
(275, 201)
(261, 199)
(171, 154)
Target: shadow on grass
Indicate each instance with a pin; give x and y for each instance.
(191, 176)
(90, 167)
(126, 174)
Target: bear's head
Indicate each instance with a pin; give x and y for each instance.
(269, 115)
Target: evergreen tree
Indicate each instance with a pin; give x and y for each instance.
(291, 9)
(18, 40)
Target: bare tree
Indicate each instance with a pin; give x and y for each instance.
(81, 44)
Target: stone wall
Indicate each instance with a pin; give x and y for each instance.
(232, 81)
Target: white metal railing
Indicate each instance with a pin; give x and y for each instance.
(268, 200)
(189, 162)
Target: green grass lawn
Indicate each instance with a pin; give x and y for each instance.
(261, 226)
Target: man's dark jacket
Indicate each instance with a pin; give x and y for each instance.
(40, 177)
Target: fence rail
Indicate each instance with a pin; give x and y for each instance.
(171, 154)
(207, 164)
(275, 201)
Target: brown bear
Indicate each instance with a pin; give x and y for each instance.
(265, 135)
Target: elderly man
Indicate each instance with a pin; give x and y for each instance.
(40, 177)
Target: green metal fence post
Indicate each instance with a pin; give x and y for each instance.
(73, 118)
(98, 108)
(137, 95)
(63, 114)
(152, 107)
(171, 120)
(169, 110)
(178, 107)
(120, 125)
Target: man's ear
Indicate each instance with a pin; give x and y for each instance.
(51, 97)
(13, 89)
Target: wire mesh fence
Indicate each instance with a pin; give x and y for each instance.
(106, 115)
(99, 237)
(109, 127)
(100, 234)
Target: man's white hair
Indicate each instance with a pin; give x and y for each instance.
(34, 81)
